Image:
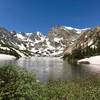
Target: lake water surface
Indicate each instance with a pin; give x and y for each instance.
(52, 68)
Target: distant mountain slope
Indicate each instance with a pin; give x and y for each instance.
(9, 44)
(62, 36)
(88, 42)
(36, 43)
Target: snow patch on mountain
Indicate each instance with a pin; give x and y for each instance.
(92, 60)
(20, 36)
(6, 57)
(78, 31)
(58, 39)
(21, 54)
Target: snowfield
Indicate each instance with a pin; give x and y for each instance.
(21, 54)
(6, 57)
(20, 36)
(91, 60)
(78, 31)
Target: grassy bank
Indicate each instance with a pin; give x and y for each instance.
(19, 84)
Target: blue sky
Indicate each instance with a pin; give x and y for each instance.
(41, 15)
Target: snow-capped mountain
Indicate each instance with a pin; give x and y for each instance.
(9, 44)
(52, 45)
(36, 43)
(88, 41)
(62, 36)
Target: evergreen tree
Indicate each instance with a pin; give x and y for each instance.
(77, 54)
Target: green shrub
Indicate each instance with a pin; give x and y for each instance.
(16, 82)
(19, 84)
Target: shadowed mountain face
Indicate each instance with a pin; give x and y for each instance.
(36, 43)
(89, 40)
